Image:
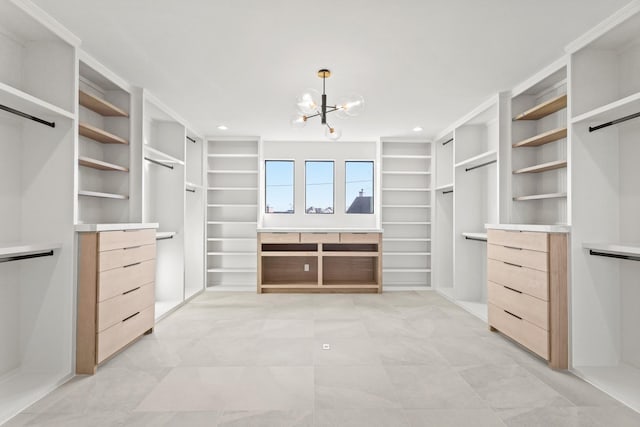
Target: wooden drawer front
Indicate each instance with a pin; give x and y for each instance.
(109, 240)
(523, 279)
(519, 239)
(527, 334)
(120, 280)
(114, 338)
(523, 257)
(280, 237)
(118, 308)
(319, 238)
(126, 256)
(359, 237)
(529, 308)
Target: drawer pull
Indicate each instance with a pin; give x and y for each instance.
(517, 317)
(319, 232)
(131, 265)
(511, 289)
(132, 247)
(133, 315)
(132, 290)
(513, 247)
(512, 264)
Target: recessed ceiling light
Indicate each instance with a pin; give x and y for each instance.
(417, 129)
(222, 127)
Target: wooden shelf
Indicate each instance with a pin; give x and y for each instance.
(100, 165)
(100, 106)
(99, 135)
(542, 110)
(543, 138)
(289, 253)
(559, 164)
(541, 197)
(102, 195)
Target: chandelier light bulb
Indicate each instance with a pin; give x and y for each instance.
(309, 101)
(332, 133)
(298, 121)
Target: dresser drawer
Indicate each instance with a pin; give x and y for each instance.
(519, 239)
(280, 237)
(120, 280)
(524, 257)
(114, 338)
(531, 309)
(523, 279)
(527, 334)
(109, 240)
(359, 237)
(319, 238)
(118, 308)
(126, 256)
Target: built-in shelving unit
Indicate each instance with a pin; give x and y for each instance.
(37, 163)
(232, 212)
(406, 212)
(195, 216)
(443, 213)
(539, 144)
(605, 201)
(103, 145)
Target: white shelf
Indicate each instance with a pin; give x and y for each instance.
(102, 195)
(541, 196)
(406, 173)
(18, 100)
(422, 190)
(21, 249)
(192, 185)
(542, 228)
(477, 160)
(167, 158)
(405, 156)
(163, 235)
(233, 172)
(317, 230)
(234, 156)
(620, 249)
(620, 381)
(232, 188)
(80, 228)
(614, 110)
(445, 187)
(476, 236)
(407, 206)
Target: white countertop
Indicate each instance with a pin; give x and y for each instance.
(530, 227)
(318, 230)
(23, 248)
(627, 249)
(114, 227)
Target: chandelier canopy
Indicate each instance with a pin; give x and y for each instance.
(313, 104)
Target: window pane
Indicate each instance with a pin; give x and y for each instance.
(278, 183)
(319, 187)
(359, 187)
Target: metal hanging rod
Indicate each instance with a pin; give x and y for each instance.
(164, 238)
(191, 139)
(27, 116)
(608, 255)
(615, 122)
(190, 190)
(19, 257)
(159, 163)
(479, 166)
(448, 141)
(447, 192)
(475, 238)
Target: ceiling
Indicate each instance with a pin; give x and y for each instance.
(242, 63)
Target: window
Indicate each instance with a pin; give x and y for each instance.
(358, 187)
(278, 182)
(319, 187)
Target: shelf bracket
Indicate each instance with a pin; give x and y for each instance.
(614, 122)
(618, 256)
(158, 163)
(29, 256)
(480, 165)
(27, 116)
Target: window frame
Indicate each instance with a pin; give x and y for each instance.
(293, 184)
(333, 186)
(373, 187)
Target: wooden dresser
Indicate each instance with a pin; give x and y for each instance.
(115, 292)
(527, 291)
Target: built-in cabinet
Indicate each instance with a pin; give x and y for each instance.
(406, 177)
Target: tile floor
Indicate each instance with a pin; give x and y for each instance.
(396, 359)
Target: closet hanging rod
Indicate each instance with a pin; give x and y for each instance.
(164, 238)
(614, 122)
(447, 192)
(479, 166)
(191, 139)
(20, 257)
(158, 163)
(475, 238)
(608, 255)
(27, 116)
(190, 190)
(448, 141)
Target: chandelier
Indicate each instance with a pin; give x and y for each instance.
(313, 104)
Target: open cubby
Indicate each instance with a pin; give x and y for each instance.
(289, 270)
(350, 270)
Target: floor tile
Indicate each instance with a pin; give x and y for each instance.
(345, 351)
(453, 418)
(370, 417)
(549, 416)
(355, 387)
(266, 419)
(339, 328)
